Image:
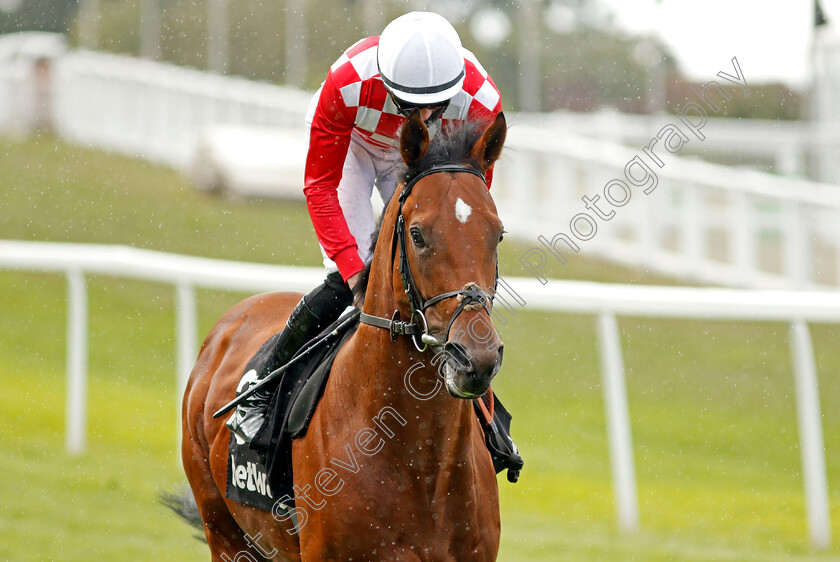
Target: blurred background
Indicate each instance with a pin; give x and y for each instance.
(142, 141)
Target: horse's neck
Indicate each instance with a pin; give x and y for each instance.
(397, 375)
(399, 389)
(403, 419)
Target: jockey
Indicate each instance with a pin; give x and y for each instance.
(417, 63)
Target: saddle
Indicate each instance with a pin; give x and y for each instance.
(260, 473)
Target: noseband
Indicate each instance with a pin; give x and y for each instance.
(470, 297)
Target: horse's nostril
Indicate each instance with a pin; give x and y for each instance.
(457, 353)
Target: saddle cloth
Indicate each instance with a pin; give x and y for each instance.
(260, 473)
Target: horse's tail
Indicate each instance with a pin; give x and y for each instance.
(182, 503)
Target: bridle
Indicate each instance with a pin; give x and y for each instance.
(470, 297)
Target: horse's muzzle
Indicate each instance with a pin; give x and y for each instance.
(468, 370)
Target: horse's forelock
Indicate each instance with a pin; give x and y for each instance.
(450, 144)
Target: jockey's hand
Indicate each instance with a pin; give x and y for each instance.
(358, 296)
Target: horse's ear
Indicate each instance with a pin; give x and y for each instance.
(489, 147)
(414, 138)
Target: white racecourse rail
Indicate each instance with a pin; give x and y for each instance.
(790, 147)
(701, 221)
(159, 111)
(704, 222)
(605, 301)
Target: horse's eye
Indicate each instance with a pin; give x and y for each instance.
(502, 235)
(417, 238)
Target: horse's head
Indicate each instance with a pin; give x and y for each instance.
(444, 251)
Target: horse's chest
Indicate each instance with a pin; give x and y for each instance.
(375, 494)
(384, 523)
(407, 537)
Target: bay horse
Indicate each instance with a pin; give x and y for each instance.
(390, 468)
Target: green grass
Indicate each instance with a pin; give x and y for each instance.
(711, 403)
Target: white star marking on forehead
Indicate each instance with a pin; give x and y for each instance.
(462, 210)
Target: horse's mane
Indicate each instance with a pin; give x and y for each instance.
(449, 144)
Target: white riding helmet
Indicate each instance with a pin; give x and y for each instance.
(420, 59)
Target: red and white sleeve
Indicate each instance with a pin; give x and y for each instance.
(329, 140)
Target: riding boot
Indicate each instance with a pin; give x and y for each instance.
(313, 313)
(301, 327)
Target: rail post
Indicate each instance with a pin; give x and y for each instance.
(618, 423)
(812, 446)
(77, 341)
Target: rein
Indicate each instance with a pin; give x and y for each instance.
(470, 297)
